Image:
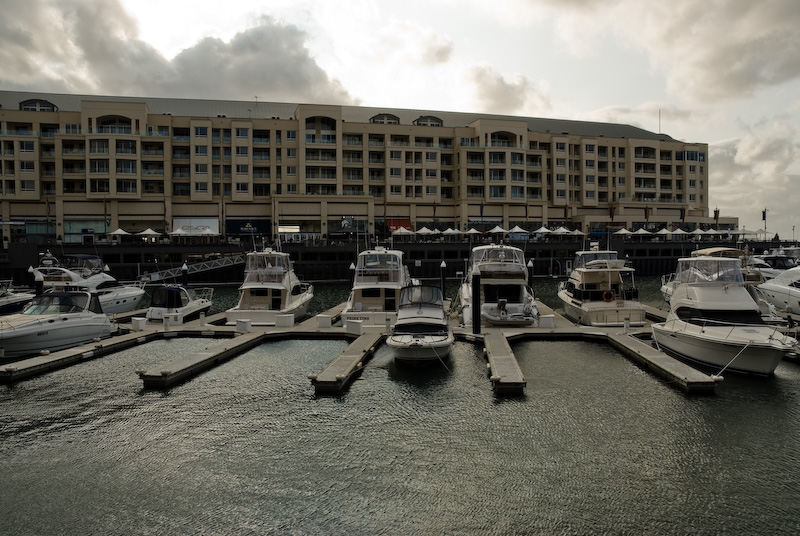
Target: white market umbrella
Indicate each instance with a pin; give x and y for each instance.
(473, 231)
(542, 230)
(623, 231)
(518, 229)
(642, 232)
(497, 229)
(698, 232)
(562, 230)
(209, 232)
(402, 231)
(451, 231)
(578, 232)
(119, 231)
(178, 232)
(664, 231)
(424, 231)
(679, 231)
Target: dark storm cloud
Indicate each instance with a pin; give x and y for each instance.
(93, 47)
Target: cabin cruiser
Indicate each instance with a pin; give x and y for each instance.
(87, 272)
(179, 303)
(379, 276)
(505, 297)
(601, 291)
(773, 264)
(714, 321)
(421, 332)
(270, 288)
(12, 300)
(783, 291)
(53, 321)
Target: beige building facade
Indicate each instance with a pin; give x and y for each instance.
(75, 168)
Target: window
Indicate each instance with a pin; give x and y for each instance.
(561, 162)
(201, 150)
(72, 128)
(26, 146)
(621, 181)
(201, 132)
(468, 142)
(291, 135)
(180, 188)
(395, 155)
(126, 186)
(27, 186)
(589, 179)
(241, 151)
(430, 173)
(242, 169)
(518, 192)
(561, 193)
(291, 152)
(692, 197)
(590, 194)
(98, 146)
(291, 171)
(395, 172)
(27, 166)
(430, 156)
(201, 187)
(395, 189)
(561, 146)
(99, 186)
(590, 164)
(560, 177)
(126, 166)
(242, 187)
(430, 190)
(242, 132)
(589, 148)
(201, 169)
(98, 166)
(497, 191)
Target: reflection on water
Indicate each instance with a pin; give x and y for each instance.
(597, 445)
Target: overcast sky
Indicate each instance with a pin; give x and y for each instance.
(722, 72)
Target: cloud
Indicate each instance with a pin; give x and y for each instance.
(97, 50)
(495, 94)
(753, 172)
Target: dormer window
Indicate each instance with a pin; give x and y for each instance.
(37, 105)
(428, 121)
(385, 119)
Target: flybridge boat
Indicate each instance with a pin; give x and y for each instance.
(86, 272)
(421, 332)
(600, 291)
(379, 276)
(270, 288)
(505, 297)
(53, 321)
(714, 321)
(178, 302)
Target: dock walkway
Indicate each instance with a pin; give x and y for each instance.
(341, 371)
(505, 374)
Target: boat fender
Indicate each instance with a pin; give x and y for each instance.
(608, 296)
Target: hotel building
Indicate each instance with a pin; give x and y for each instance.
(76, 167)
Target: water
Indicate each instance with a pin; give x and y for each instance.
(596, 446)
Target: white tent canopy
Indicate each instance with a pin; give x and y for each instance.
(402, 231)
(642, 231)
(179, 232)
(473, 230)
(451, 231)
(149, 232)
(542, 230)
(424, 231)
(497, 229)
(664, 231)
(623, 231)
(578, 232)
(518, 229)
(119, 231)
(562, 230)
(679, 231)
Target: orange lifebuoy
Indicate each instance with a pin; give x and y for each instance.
(608, 296)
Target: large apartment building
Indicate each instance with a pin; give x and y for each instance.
(75, 167)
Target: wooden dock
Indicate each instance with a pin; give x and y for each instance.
(504, 371)
(341, 371)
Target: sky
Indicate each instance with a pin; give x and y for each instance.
(722, 72)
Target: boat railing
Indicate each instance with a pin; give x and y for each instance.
(710, 322)
(365, 275)
(203, 293)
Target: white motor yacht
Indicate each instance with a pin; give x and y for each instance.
(783, 291)
(421, 332)
(375, 297)
(87, 272)
(601, 291)
(180, 303)
(270, 288)
(714, 321)
(505, 296)
(53, 321)
(12, 300)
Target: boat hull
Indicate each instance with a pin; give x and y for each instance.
(602, 314)
(20, 337)
(751, 350)
(121, 300)
(420, 349)
(265, 317)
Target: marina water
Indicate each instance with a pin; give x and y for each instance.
(597, 446)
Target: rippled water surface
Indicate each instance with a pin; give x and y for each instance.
(597, 445)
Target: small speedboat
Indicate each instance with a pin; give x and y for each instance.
(714, 321)
(783, 291)
(54, 321)
(421, 332)
(179, 303)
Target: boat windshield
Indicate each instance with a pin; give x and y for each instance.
(45, 304)
(372, 261)
(498, 254)
(266, 262)
(421, 294)
(709, 269)
(582, 258)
